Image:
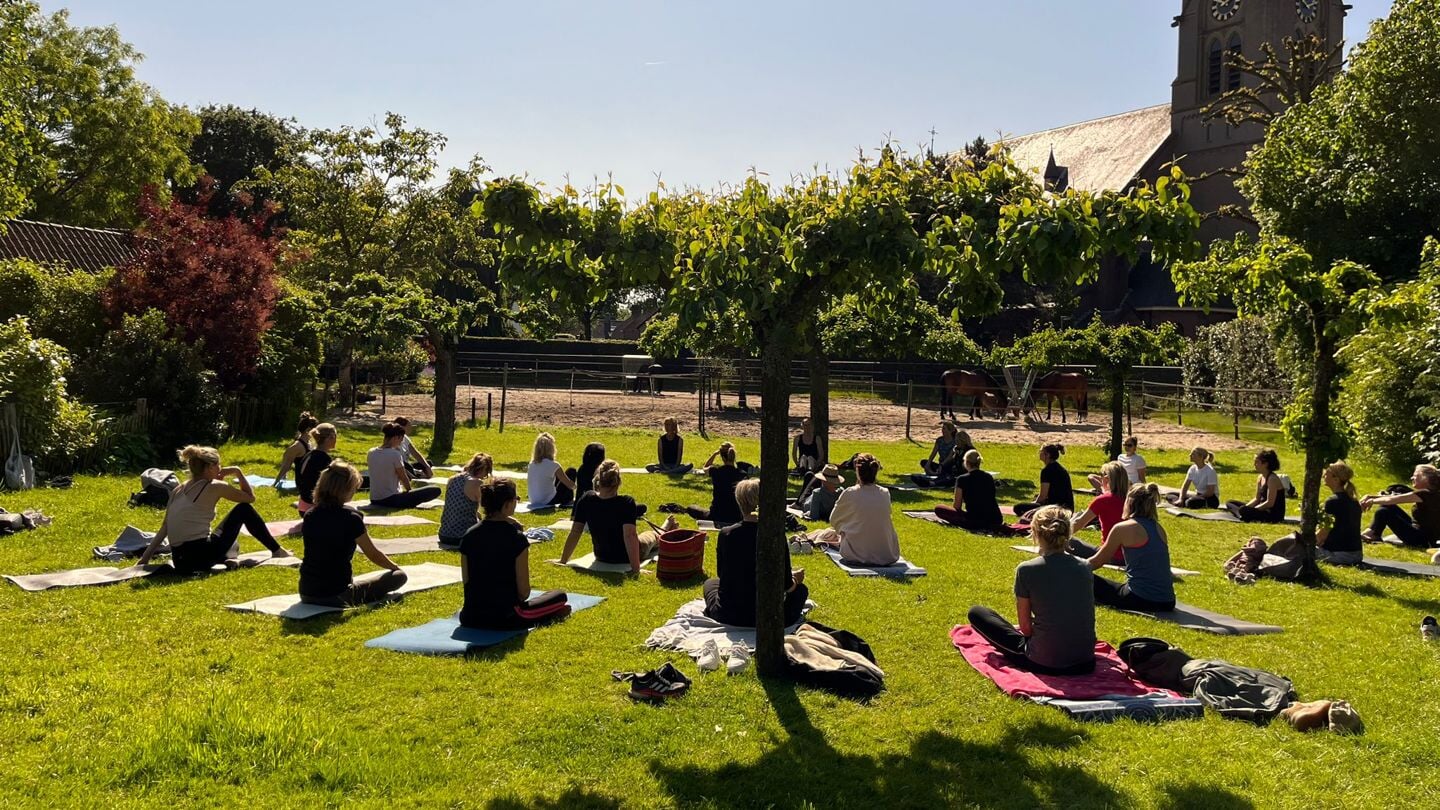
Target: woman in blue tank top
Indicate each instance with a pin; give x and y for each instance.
(1147, 585)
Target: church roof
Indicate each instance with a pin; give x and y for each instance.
(89, 249)
(1105, 154)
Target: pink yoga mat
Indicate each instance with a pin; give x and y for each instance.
(1111, 676)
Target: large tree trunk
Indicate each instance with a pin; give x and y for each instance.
(771, 556)
(1317, 443)
(1117, 416)
(443, 439)
(744, 379)
(345, 376)
(820, 399)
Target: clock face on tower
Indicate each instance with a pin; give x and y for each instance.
(1307, 9)
(1223, 10)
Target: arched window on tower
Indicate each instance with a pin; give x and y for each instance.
(1214, 67)
(1232, 74)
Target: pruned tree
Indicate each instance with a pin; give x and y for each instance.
(1278, 80)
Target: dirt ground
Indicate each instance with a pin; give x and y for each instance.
(850, 419)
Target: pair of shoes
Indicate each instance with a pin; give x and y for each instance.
(657, 685)
(1241, 578)
(799, 545)
(670, 508)
(1429, 630)
(793, 524)
(738, 660)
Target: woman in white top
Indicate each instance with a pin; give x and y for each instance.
(390, 484)
(1133, 462)
(415, 463)
(547, 483)
(193, 546)
(1203, 479)
(861, 518)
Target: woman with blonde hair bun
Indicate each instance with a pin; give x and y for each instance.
(1055, 601)
(1148, 585)
(190, 514)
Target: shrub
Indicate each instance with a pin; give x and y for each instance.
(290, 355)
(62, 305)
(142, 360)
(54, 428)
(1240, 354)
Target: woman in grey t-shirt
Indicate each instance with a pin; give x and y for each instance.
(1055, 600)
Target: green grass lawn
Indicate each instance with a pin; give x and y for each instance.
(151, 694)
(1251, 430)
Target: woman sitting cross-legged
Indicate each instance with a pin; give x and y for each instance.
(861, 518)
(807, 451)
(975, 506)
(590, 461)
(191, 512)
(1268, 505)
(390, 485)
(611, 517)
(495, 566)
(1055, 487)
(298, 448)
(670, 451)
(547, 483)
(308, 469)
(724, 477)
(1148, 585)
(1107, 508)
(730, 597)
(462, 499)
(1055, 601)
(942, 454)
(1421, 531)
(332, 532)
(1337, 541)
(1202, 478)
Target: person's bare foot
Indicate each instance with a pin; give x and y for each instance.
(1369, 536)
(1308, 716)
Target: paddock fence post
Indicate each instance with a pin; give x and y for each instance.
(1179, 407)
(572, 386)
(504, 390)
(384, 398)
(489, 403)
(909, 401)
(472, 411)
(1235, 400)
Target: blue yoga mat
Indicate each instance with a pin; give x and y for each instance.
(265, 481)
(447, 637)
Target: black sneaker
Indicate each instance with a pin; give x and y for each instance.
(657, 685)
(670, 508)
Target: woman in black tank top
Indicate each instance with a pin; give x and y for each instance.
(808, 451)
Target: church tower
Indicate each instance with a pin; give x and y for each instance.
(1209, 31)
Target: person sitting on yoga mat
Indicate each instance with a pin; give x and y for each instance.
(807, 452)
(332, 531)
(547, 483)
(390, 485)
(495, 567)
(670, 451)
(1055, 487)
(1202, 477)
(1337, 541)
(1055, 601)
(817, 499)
(462, 499)
(1268, 505)
(1421, 531)
(1107, 507)
(309, 468)
(415, 463)
(589, 462)
(1148, 585)
(724, 477)
(975, 507)
(611, 517)
(730, 596)
(861, 518)
(297, 448)
(191, 512)
(1133, 462)
(942, 453)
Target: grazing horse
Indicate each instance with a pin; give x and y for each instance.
(1060, 385)
(985, 392)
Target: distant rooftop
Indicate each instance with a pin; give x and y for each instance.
(89, 249)
(1105, 154)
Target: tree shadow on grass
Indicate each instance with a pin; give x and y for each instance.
(1430, 606)
(1206, 796)
(940, 770)
(574, 797)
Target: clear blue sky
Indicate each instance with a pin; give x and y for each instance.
(697, 91)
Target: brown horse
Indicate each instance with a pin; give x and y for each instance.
(1060, 385)
(979, 386)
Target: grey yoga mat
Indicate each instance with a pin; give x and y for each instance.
(1400, 567)
(105, 575)
(1194, 618)
(282, 528)
(422, 577)
(1222, 517)
(594, 566)
(1174, 572)
(902, 569)
(366, 506)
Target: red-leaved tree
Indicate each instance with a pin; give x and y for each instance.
(213, 278)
